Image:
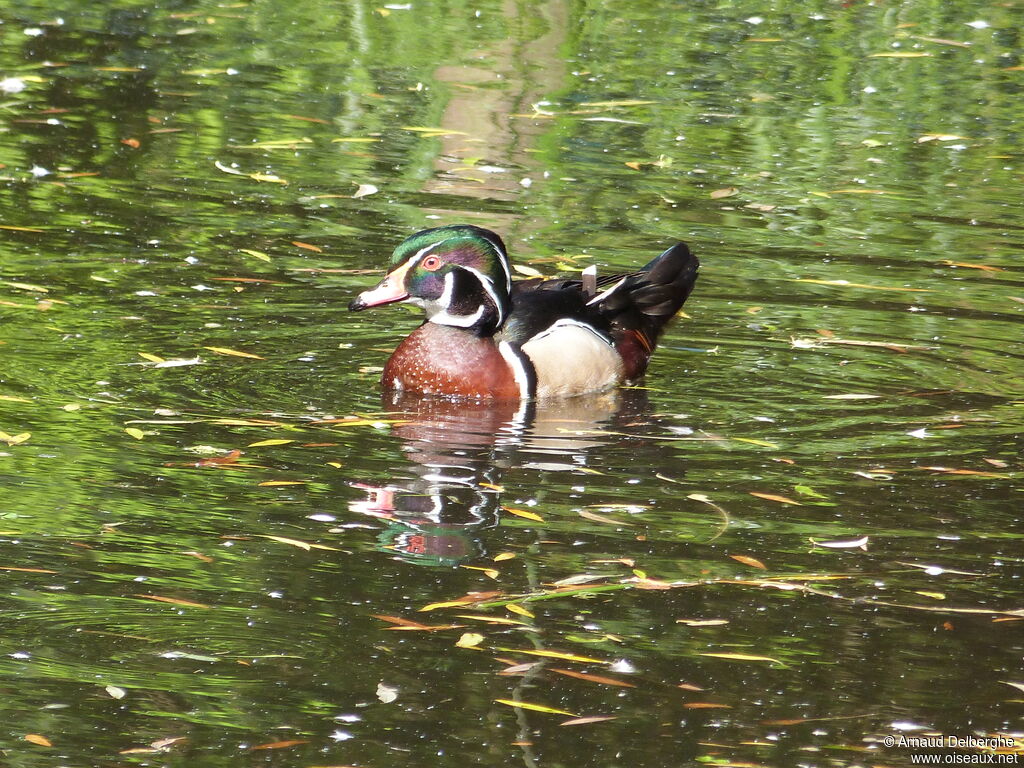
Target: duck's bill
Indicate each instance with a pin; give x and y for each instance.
(388, 292)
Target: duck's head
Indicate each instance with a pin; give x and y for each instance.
(459, 274)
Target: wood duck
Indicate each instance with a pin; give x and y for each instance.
(487, 337)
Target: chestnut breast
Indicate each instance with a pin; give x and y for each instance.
(441, 359)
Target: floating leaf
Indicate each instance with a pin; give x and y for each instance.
(705, 705)
(469, 640)
(948, 471)
(519, 610)
(702, 622)
(968, 265)
(556, 655)
(275, 483)
(599, 518)
(114, 692)
(172, 601)
(307, 246)
(281, 744)
(234, 353)
(448, 604)
(805, 490)
(14, 439)
(1018, 686)
(504, 556)
(386, 693)
(754, 441)
(593, 678)
(12, 399)
(291, 542)
(773, 497)
(269, 442)
(35, 738)
(524, 513)
(751, 561)
(898, 55)
(255, 254)
(151, 358)
(535, 707)
(588, 720)
(138, 434)
(365, 190)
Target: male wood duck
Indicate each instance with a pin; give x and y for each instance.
(487, 337)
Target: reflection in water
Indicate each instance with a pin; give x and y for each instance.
(460, 451)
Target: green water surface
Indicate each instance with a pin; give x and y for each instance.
(802, 535)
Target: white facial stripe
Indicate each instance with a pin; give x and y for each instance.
(424, 251)
(503, 260)
(460, 321)
(488, 285)
(518, 368)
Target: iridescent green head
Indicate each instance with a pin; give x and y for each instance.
(459, 274)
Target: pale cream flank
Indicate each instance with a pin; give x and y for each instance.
(570, 358)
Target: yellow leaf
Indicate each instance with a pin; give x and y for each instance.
(272, 483)
(484, 617)
(751, 561)
(135, 432)
(269, 442)
(556, 655)
(151, 358)
(12, 399)
(114, 692)
(14, 439)
(35, 738)
(773, 497)
(491, 573)
(446, 604)
(354, 140)
(26, 286)
(898, 55)
(71, 407)
(754, 441)
(365, 190)
(469, 640)
(741, 657)
(535, 707)
(233, 353)
(292, 542)
(524, 513)
(267, 177)
(504, 556)
(933, 595)
(518, 609)
(256, 254)
(526, 271)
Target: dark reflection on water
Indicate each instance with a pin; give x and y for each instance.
(461, 453)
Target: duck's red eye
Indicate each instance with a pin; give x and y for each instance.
(431, 263)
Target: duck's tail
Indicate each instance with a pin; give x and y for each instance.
(638, 306)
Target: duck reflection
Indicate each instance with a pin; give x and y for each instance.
(460, 452)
